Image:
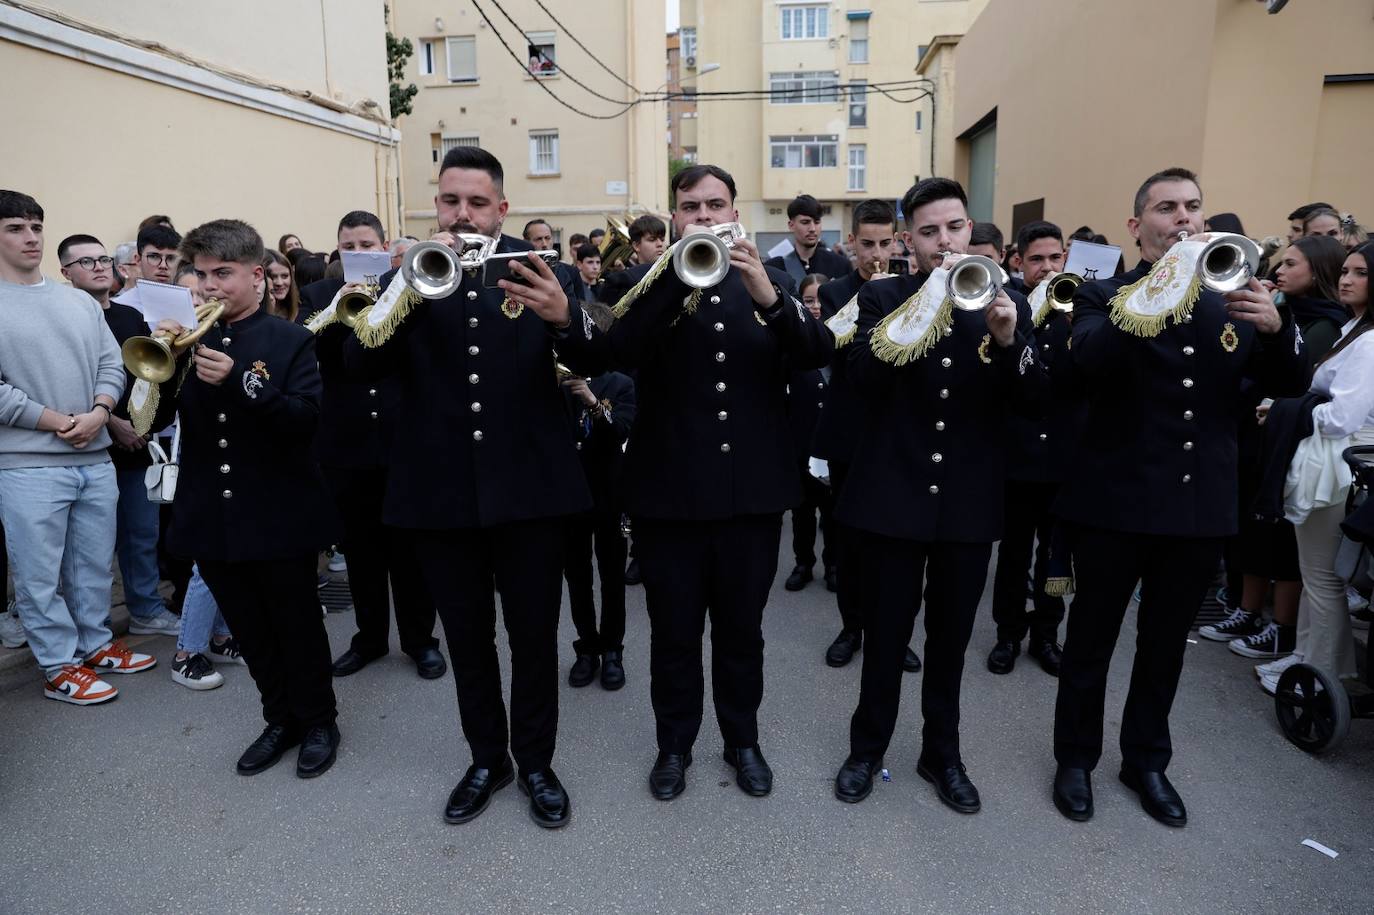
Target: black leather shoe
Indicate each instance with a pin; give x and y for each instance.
(953, 785)
(352, 661)
(832, 579)
(612, 671)
(912, 662)
(1002, 658)
(263, 753)
(319, 749)
(841, 651)
(668, 777)
(430, 664)
(799, 578)
(549, 804)
(1157, 797)
(473, 793)
(1048, 653)
(752, 773)
(1073, 793)
(632, 576)
(583, 670)
(854, 781)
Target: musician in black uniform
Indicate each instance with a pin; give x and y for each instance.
(923, 502)
(809, 254)
(483, 476)
(1152, 492)
(1038, 449)
(357, 422)
(873, 238)
(251, 507)
(805, 399)
(539, 234)
(708, 473)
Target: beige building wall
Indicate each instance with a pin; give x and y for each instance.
(112, 132)
(1089, 100)
(603, 166)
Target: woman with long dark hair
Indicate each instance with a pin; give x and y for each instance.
(284, 298)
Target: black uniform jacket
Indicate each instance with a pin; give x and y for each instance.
(249, 487)
(806, 389)
(316, 296)
(841, 421)
(929, 465)
(1039, 448)
(600, 439)
(482, 433)
(1158, 452)
(711, 438)
(124, 322)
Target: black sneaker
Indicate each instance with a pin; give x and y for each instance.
(1239, 625)
(1273, 641)
(196, 672)
(227, 652)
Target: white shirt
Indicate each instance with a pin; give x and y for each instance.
(1348, 379)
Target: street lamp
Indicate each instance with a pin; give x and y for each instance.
(701, 71)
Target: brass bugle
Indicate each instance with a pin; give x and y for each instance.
(702, 257)
(352, 304)
(974, 281)
(153, 358)
(616, 245)
(432, 269)
(1228, 262)
(1060, 289)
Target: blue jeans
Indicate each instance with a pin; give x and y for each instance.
(136, 545)
(200, 617)
(60, 531)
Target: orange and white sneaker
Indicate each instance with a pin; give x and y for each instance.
(116, 658)
(80, 686)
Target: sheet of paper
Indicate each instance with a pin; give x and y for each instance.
(360, 265)
(781, 249)
(1092, 261)
(1313, 843)
(159, 301)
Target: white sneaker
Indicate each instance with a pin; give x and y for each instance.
(1274, 668)
(12, 633)
(165, 623)
(79, 686)
(337, 563)
(1270, 684)
(196, 672)
(116, 658)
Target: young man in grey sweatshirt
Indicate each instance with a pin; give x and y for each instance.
(60, 376)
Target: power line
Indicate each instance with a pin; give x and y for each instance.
(562, 70)
(569, 33)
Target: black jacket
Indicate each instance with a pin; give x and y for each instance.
(823, 261)
(1039, 447)
(841, 421)
(249, 487)
(1288, 423)
(929, 464)
(316, 296)
(599, 436)
(806, 389)
(1158, 453)
(711, 438)
(125, 322)
(482, 433)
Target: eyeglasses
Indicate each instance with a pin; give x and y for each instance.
(89, 263)
(157, 260)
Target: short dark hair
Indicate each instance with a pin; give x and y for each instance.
(226, 240)
(295, 255)
(525, 233)
(1168, 174)
(647, 226)
(14, 205)
(71, 241)
(692, 175)
(588, 250)
(576, 240)
(309, 269)
(804, 205)
(157, 236)
(1032, 232)
(929, 190)
(986, 233)
(873, 212)
(596, 233)
(157, 219)
(475, 157)
(1303, 211)
(357, 219)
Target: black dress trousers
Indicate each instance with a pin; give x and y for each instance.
(602, 532)
(849, 596)
(1027, 535)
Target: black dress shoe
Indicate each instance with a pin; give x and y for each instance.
(799, 578)
(473, 793)
(1157, 797)
(841, 651)
(854, 781)
(832, 579)
(612, 670)
(263, 753)
(549, 804)
(1048, 653)
(430, 664)
(752, 773)
(352, 661)
(319, 749)
(1073, 793)
(1002, 658)
(953, 785)
(668, 777)
(583, 670)
(912, 662)
(632, 576)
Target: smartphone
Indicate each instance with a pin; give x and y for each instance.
(497, 267)
(898, 266)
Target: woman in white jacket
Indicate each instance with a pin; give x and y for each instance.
(1346, 376)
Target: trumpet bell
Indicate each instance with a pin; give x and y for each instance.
(149, 358)
(702, 259)
(432, 269)
(351, 307)
(1228, 262)
(974, 281)
(1060, 291)
(616, 245)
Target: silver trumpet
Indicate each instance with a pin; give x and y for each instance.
(1060, 290)
(434, 270)
(1228, 262)
(702, 257)
(974, 281)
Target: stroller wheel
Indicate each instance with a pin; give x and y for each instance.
(1313, 708)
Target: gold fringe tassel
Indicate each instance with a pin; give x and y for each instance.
(1151, 325)
(1058, 587)
(900, 354)
(142, 416)
(638, 289)
(310, 321)
(373, 336)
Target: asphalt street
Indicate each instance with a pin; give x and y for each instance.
(135, 806)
